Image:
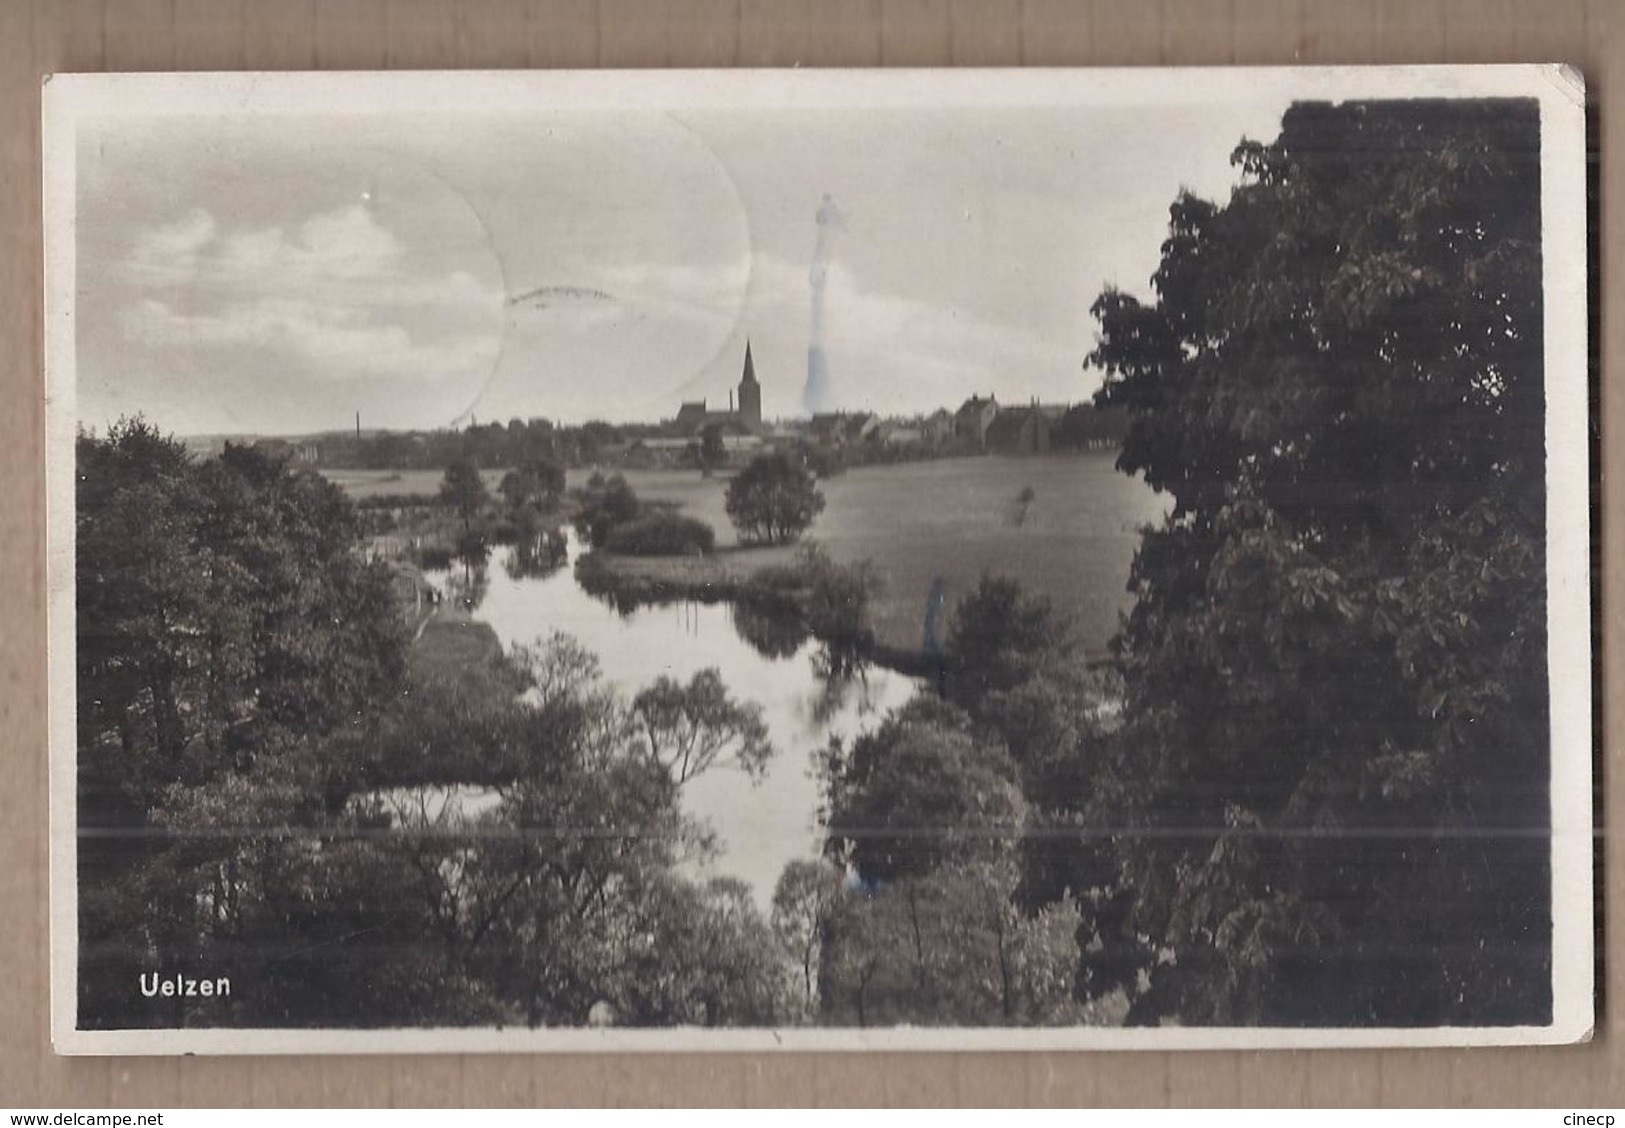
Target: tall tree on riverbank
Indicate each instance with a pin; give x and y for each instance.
(927, 814)
(774, 499)
(1334, 753)
(688, 729)
(538, 483)
(219, 602)
(713, 454)
(464, 490)
(226, 625)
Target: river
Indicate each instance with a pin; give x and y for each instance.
(760, 827)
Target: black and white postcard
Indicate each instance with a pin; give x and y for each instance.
(818, 560)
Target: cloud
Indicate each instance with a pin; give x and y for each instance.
(168, 252)
(335, 341)
(894, 352)
(337, 296)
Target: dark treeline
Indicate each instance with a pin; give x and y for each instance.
(273, 791)
(1335, 750)
(496, 446)
(521, 442)
(1310, 787)
(1325, 798)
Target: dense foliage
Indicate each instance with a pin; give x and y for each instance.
(515, 444)
(603, 504)
(463, 489)
(539, 482)
(225, 626)
(938, 820)
(1309, 786)
(1334, 750)
(661, 533)
(774, 499)
(270, 794)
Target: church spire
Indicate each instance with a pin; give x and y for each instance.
(750, 393)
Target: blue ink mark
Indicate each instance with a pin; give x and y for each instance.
(817, 396)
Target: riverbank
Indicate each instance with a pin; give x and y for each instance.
(1066, 528)
(450, 644)
(754, 578)
(714, 578)
(937, 527)
(449, 647)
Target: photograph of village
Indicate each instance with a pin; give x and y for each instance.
(925, 566)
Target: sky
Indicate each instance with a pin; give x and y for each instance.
(277, 274)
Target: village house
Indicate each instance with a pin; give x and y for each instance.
(895, 434)
(1023, 430)
(937, 428)
(972, 420)
(843, 429)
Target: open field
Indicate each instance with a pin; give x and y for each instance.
(424, 483)
(955, 519)
(949, 518)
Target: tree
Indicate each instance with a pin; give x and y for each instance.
(699, 955)
(1023, 502)
(712, 452)
(774, 629)
(1335, 661)
(837, 608)
(464, 490)
(226, 625)
(1001, 636)
(948, 947)
(604, 506)
(539, 483)
(688, 729)
(773, 500)
(803, 902)
(923, 790)
(600, 926)
(219, 601)
(289, 790)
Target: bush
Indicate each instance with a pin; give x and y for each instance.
(822, 461)
(605, 505)
(394, 501)
(777, 579)
(838, 601)
(504, 532)
(661, 534)
(434, 557)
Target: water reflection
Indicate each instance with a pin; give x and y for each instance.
(773, 629)
(536, 554)
(469, 586)
(807, 694)
(840, 671)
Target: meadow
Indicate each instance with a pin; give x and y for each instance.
(917, 522)
(361, 484)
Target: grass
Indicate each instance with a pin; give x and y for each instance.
(454, 647)
(953, 519)
(950, 519)
(421, 483)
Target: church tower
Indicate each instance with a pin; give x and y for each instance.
(750, 393)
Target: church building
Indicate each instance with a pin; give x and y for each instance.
(741, 418)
